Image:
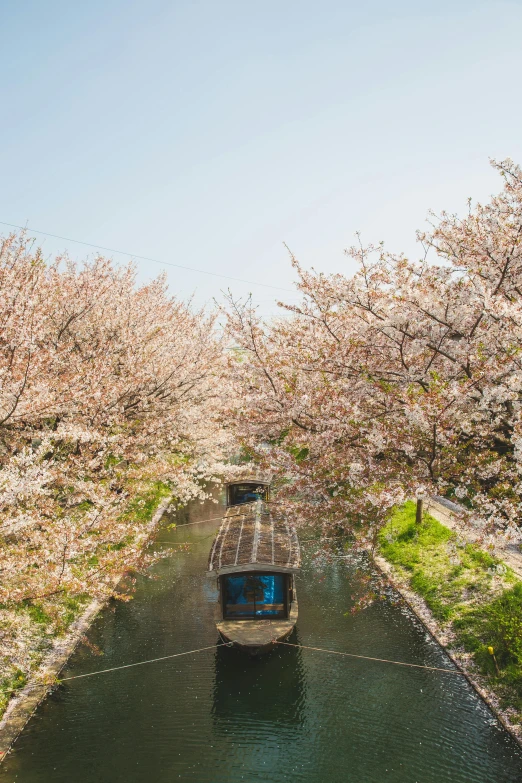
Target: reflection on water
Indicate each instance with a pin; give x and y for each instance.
(240, 689)
(295, 715)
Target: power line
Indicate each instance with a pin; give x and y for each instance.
(145, 258)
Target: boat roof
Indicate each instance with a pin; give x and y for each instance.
(251, 478)
(254, 537)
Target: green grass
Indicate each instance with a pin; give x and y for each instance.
(497, 626)
(37, 613)
(446, 572)
(71, 607)
(142, 507)
(461, 586)
(8, 686)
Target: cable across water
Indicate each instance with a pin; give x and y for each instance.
(59, 680)
(369, 658)
(230, 644)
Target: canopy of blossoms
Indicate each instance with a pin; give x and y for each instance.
(405, 378)
(105, 388)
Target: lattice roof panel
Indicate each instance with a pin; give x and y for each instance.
(255, 536)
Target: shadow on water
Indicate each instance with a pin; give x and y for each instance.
(269, 689)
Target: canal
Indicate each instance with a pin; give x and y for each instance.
(295, 715)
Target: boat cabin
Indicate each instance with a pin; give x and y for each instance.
(255, 556)
(253, 595)
(247, 490)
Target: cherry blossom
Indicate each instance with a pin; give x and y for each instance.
(406, 375)
(106, 388)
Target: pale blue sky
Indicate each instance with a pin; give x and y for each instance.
(207, 133)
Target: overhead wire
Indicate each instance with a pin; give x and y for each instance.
(144, 258)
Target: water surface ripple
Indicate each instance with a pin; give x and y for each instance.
(295, 715)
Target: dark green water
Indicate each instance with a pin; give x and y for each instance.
(295, 715)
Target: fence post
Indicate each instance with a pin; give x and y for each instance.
(418, 515)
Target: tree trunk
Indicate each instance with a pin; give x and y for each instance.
(418, 516)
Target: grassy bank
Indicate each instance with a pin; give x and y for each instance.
(471, 594)
(29, 629)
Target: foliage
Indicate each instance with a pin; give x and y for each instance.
(9, 685)
(109, 394)
(498, 626)
(404, 378)
(461, 585)
(143, 506)
(445, 571)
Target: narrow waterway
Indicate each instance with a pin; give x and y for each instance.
(295, 715)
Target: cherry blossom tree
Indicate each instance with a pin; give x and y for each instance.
(109, 395)
(403, 378)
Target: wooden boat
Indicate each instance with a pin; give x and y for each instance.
(255, 556)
